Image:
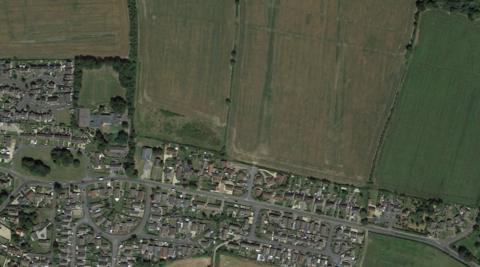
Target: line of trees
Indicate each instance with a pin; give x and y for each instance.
(469, 7)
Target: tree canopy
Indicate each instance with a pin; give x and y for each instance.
(62, 156)
(35, 166)
(118, 104)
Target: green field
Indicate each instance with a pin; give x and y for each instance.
(98, 86)
(390, 251)
(432, 144)
(58, 173)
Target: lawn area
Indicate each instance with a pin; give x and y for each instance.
(469, 242)
(98, 86)
(391, 251)
(62, 116)
(233, 261)
(61, 173)
(431, 148)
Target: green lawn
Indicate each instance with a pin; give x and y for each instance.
(98, 86)
(432, 144)
(469, 242)
(62, 116)
(57, 172)
(391, 251)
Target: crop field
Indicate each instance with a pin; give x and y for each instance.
(184, 71)
(98, 86)
(63, 28)
(432, 144)
(198, 261)
(314, 81)
(395, 252)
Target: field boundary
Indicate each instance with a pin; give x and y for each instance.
(379, 147)
(409, 47)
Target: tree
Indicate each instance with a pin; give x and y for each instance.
(100, 141)
(35, 166)
(118, 104)
(61, 156)
(76, 162)
(464, 253)
(122, 137)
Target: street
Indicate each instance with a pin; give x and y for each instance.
(246, 200)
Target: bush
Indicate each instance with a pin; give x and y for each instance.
(35, 166)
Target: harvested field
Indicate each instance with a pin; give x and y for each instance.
(197, 262)
(395, 252)
(63, 28)
(184, 71)
(432, 144)
(314, 81)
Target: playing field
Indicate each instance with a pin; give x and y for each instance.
(395, 252)
(63, 28)
(232, 261)
(314, 81)
(432, 145)
(184, 71)
(98, 86)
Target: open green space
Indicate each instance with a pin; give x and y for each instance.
(391, 251)
(62, 116)
(181, 129)
(57, 172)
(432, 145)
(472, 243)
(98, 86)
